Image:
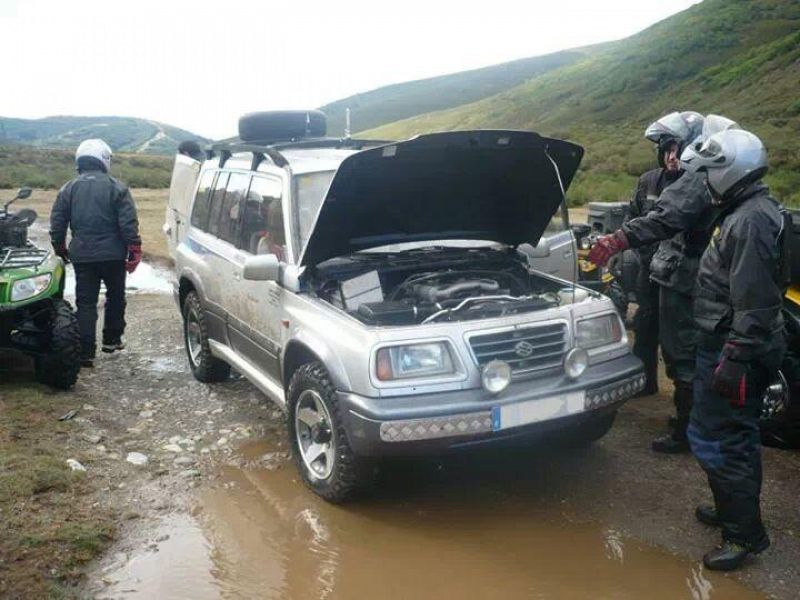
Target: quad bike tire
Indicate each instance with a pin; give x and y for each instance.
(282, 125)
(348, 474)
(60, 364)
(204, 365)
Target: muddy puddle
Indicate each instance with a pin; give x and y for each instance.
(463, 528)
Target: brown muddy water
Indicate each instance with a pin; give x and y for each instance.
(487, 526)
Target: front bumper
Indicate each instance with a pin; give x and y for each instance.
(435, 422)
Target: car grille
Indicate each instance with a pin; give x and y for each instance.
(527, 351)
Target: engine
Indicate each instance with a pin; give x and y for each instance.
(450, 295)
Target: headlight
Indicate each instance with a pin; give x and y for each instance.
(598, 331)
(496, 376)
(575, 362)
(30, 287)
(417, 361)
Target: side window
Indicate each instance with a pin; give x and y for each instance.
(216, 200)
(262, 222)
(230, 212)
(200, 209)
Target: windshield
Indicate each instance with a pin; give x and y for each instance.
(310, 189)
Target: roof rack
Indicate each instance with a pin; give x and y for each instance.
(271, 149)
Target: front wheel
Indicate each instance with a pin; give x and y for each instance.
(60, 364)
(205, 367)
(320, 446)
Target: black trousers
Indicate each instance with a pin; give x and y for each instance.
(88, 277)
(645, 325)
(725, 440)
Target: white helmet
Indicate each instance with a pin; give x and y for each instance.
(712, 125)
(680, 128)
(732, 159)
(97, 149)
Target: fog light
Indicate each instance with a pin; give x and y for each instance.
(575, 362)
(496, 376)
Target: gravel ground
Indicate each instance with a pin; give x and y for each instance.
(145, 401)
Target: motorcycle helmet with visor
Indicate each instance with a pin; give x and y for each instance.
(676, 128)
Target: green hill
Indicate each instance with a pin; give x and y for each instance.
(123, 134)
(740, 58)
(50, 169)
(404, 100)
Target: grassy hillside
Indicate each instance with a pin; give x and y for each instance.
(122, 133)
(740, 58)
(50, 169)
(401, 101)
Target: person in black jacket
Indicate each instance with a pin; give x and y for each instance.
(105, 243)
(670, 134)
(738, 299)
(664, 290)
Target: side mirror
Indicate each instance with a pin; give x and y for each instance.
(262, 267)
(23, 193)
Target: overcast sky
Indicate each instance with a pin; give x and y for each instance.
(199, 65)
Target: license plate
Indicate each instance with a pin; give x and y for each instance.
(534, 411)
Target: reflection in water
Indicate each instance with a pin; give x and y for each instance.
(469, 529)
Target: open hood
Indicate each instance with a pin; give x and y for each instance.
(501, 186)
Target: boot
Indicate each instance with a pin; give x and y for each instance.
(707, 514)
(731, 555)
(112, 344)
(671, 443)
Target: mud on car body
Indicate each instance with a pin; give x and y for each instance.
(375, 291)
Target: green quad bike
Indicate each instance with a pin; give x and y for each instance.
(34, 317)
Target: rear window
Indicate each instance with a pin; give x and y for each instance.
(229, 218)
(217, 199)
(200, 209)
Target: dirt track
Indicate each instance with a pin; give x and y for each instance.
(144, 400)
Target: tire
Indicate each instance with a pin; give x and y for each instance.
(61, 363)
(281, 125)
(343, 474)
(205, 367)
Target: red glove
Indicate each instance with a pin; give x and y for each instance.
(134, 257)
(730, 379)
(607, 246)
(61, 251)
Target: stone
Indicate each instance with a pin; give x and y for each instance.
(184, 461)
(75, 465)
(137, 458)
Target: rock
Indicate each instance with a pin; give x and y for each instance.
(146, 414)
(102, 449)
(75, 465)
(276, 415)
(224, 431)
(184, 461)
(172, 448)
(189, 473)
(93, 437)
(216, 411)
(186, 442)
(69, 415)
(137, 458)
(204, 450)
(222, 441)
(162, 538)
(174, 439)
(88, 407)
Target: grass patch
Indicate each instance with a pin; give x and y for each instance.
(51, 529)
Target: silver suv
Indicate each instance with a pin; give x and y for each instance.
(376, 292)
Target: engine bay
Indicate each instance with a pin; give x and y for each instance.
(399, 290)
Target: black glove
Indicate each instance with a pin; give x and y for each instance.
(730, 379)
(61, 251)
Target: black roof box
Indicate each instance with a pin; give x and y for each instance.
(282, 125)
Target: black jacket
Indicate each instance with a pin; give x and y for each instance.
(645, 196)
(100, 212)
(681, 220)
(740, 282)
